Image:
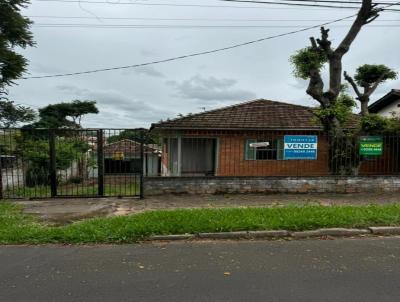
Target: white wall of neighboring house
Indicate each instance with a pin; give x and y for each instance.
(388, 110)
(151, 167)
(12, 178)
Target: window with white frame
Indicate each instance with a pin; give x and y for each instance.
(264, 149)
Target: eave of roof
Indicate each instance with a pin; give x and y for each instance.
(384, 101)
(317, 128)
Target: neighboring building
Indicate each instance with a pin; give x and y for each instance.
(388, 105)
(241, 140)
(123, 157)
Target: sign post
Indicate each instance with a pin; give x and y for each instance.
(371, 145)
(301, 147)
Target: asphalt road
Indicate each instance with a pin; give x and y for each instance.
(366, 270)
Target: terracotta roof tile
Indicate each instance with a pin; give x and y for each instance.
(257, 114)
(127, 146)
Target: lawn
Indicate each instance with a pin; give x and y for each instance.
(18, 228)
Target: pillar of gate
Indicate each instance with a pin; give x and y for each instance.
(52, 163)
(100, 162)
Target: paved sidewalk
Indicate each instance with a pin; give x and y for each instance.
(67, 210)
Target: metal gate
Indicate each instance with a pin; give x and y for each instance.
(42, 163)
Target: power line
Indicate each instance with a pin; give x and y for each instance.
(168, 26)
(193, 54)
(291, 3)
(197, 19)
(200, 53)
(313, 1)
(154, 4)
(313, 6)
(166, 4)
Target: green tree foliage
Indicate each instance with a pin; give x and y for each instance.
(35, 149)
(134, 135)
(342, 109)
(367, 75)
(307, 59)
(33, 144)
(65, 115)
(14, 32)
(11, 114)
(125, 134)
(374, 124)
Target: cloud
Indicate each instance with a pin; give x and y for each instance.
(210, 89)
(38, 68)
(71, 89)
(147, 52)
(297, 83)
(131, 98)
(116, 107)
(149, 71)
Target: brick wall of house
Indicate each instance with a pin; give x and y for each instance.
(232, 162)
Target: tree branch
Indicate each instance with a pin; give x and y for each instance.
(373, 87)
(372, 19)
(313, 43)
(335, 59)
(353, 84)
(363, 16)
(324, 43)
(316, 87)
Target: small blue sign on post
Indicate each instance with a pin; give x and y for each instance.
(301, 147)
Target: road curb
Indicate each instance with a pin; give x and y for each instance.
(388, 230)
(172, 237)
(224, 235)
(280, 234)
(269, 234)
(333, 232)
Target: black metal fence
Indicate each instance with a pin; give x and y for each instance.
(39, 163)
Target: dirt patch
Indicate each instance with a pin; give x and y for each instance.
(61, 211)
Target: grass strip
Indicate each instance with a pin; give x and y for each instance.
(19, 228)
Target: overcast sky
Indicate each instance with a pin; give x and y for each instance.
(137, 97)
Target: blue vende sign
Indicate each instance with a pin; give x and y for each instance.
(300, 147)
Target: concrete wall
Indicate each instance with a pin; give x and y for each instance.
(393, 108)
(72, 171)
(216, 185)
(12, 178)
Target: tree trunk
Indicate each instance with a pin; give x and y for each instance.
(364, 107)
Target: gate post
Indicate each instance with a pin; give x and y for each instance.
(1, 178)
(100, 162)
(141, 186)
(52, 166)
